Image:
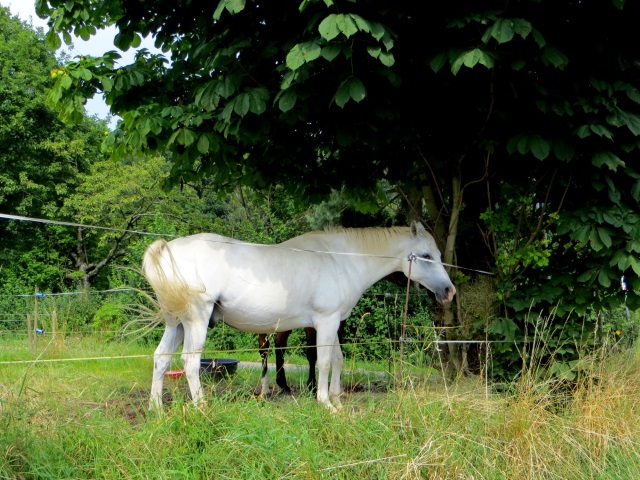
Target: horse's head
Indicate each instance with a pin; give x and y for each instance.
(427, 268)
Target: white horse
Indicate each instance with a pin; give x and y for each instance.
(313, 280)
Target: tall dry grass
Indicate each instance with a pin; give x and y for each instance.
(89, 420)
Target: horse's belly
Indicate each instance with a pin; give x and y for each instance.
(260, 321)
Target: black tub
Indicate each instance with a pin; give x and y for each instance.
(218, 366)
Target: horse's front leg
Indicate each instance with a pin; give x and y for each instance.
(326, 340)
(171, 340)
(337, 360)
(195, 335)
(312, 355)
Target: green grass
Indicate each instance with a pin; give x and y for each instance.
(89, 420)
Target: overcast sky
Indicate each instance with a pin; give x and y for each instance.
(96, 46)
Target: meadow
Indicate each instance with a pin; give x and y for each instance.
(61, 417)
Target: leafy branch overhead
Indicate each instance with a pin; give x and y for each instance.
(537, 99)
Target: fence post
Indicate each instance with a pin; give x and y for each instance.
(30, 334)
(35, 322)
(54, 329)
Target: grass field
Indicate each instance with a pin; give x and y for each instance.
(88, 419)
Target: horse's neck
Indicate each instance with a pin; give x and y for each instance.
(368, 263)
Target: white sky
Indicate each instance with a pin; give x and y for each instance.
(97, 45)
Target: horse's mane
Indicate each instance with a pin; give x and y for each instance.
(373, 239)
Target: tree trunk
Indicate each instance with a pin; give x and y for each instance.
(456, 359)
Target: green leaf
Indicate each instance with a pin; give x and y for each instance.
(374, 50)
(65, 82)
(362, 24)
(346, 24)
(563, 150)
(107, 84)
(594, 240)
(302, 53)
(603, 279)
(583, 131)
(503, 31)
(287, 80)
(328, 28)
(518, 64)
(53, 40)
(241, 104)
(234, 6)
(83, 73)
(539, 38)
(356, 90)
(83, 33)
(387, 59)
(342, 96)
(607, 158)
(601, 131)
(539, 147)
(134, 140)
(633, 93)
(378, 31)
(257, 100)
(287, 101)
(522, 27)
(203, 144)
(553, 56)
(633, 123)
(470, 59)
(438, 62)
(206, 97)
(605, 238)
(329, 52)
(585, 277)
(218, 11)
(635, 264)
(582, 234)
(185, 137)
(137, 40)
(227, 87)
(635, 191)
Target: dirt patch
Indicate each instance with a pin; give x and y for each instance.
(132, 406)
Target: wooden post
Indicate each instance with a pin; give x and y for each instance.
(54, 328)
(30, 334)
(403, 339)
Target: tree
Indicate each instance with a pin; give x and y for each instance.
(40, 159)
(523, 113)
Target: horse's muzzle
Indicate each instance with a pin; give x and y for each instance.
(446, 295)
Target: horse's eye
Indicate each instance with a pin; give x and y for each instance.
(427, 256)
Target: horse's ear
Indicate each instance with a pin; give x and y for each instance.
(416, 227)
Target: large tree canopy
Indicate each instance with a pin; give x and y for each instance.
(517, 122)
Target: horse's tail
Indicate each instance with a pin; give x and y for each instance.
(174, 294)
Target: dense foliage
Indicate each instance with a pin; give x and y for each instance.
(511, 128)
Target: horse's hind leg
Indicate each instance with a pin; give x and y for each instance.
(281, 346)
(263, 348)
(312, 357)
(171, 340)
(195, 335)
